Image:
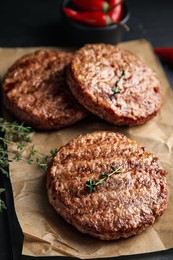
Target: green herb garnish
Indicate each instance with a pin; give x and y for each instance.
(19, 136)
(2, 203)
(116, 90)
(91, 185)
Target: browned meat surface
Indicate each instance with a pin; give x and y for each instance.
(114, 84)
(35, 91)
(125, 203)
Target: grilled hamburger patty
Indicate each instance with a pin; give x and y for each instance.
(35, 91)
(114, 84)
(125, 203)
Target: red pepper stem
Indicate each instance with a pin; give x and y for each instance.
(108, 20)
(105, 7)
(125, 26)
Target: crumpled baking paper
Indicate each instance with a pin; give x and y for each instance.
(45, 232)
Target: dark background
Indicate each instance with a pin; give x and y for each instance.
(38, 23)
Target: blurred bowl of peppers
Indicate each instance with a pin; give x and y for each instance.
(95, 21)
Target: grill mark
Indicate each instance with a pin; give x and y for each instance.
(109, 198)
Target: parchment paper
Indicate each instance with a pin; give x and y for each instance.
(46, 233)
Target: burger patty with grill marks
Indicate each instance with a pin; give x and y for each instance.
(124, 203)
(35, 91)
(114, 84)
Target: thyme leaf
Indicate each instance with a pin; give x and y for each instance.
(91, 184)
(116, 90)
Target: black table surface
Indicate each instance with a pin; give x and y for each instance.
(39, 23)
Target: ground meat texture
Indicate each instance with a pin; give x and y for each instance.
(123, 205)
(96, 70)
(35, 91)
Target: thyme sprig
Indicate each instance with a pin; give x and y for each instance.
(116, 90)
(91, 185)
(2, 203)
(18, 135)
(15, 132)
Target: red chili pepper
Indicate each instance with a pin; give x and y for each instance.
(91, 18)
(117, 10)
(92, 5)
(165, 53)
